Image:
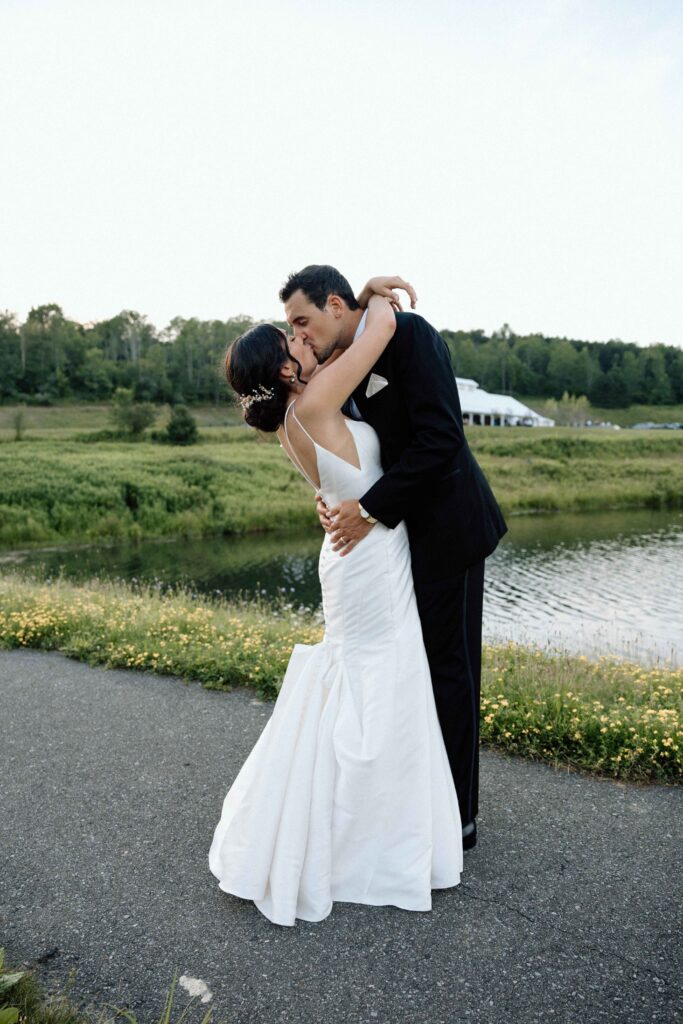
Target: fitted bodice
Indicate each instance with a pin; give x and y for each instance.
(339, 479)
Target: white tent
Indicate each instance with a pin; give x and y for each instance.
(482, 407)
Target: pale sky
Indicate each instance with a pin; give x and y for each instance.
(519, 161)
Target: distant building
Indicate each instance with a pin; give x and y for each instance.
(484, 409)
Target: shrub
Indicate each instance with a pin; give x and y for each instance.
(19, 423)
(182, 427)
(131, 417)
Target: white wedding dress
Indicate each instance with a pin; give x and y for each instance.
(347, 794)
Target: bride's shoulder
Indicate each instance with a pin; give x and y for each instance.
(308, 409)
(314, 402)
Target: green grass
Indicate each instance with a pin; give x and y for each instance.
(72, 418)
(622, 417)
(69, 419)
(564, 469)
(54, 490)
(609, 717)
(62, 490)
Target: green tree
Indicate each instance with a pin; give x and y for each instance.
(52, 356)
(564, 369)
(39, 347)
(632, 373)
(10, 358)
(152, 381)
(655, 376)
(462, 351)
(609, 389)
(675, 372)
(569, 411)
(589, 369)
(94, 377)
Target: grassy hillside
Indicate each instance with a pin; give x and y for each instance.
(235, 481)
(622, 417)
(74, 418)
(70, 419)
(65, 489)
(566, 469)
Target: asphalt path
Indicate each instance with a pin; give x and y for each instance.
(112, 782)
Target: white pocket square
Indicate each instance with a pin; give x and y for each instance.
(375, 384)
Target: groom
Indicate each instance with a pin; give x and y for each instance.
(432, 481)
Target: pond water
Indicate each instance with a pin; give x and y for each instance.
(595, 583)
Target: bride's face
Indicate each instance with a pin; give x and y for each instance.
(304, 354)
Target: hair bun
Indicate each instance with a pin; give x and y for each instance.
(252, 369)
(268, 414)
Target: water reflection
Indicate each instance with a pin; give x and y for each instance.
(605, 582)
(599, 583)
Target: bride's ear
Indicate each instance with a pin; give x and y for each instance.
(287, 373)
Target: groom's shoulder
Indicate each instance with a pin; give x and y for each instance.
(410, 324)
(411, 327)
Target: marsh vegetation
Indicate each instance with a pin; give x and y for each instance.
(237, 481)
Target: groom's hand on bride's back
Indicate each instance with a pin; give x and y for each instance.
(345, 524)
(348, 527)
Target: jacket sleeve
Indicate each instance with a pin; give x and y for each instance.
(428, 389)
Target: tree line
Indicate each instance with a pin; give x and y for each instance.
(612, 374)
(50, 357)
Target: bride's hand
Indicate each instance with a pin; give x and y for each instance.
(385, 286)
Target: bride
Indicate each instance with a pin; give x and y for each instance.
(347, 794)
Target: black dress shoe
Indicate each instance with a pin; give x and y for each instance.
(469, 835)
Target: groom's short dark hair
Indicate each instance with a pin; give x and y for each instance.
(318, 282)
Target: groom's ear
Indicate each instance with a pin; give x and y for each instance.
(336, 306)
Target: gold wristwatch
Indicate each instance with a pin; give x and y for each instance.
(366, 515)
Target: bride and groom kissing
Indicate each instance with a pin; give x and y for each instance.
(363, 785)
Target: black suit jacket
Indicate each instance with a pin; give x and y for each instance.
(431, 478)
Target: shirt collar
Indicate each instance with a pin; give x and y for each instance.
(361, 325)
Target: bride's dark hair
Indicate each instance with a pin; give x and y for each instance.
(252, 369)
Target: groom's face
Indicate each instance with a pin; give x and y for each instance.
(319, 328)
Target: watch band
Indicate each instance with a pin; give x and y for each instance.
(366, 515)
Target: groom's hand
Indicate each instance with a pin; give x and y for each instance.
(348, 526)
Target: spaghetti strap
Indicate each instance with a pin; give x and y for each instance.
(292, 454)
(291, 406)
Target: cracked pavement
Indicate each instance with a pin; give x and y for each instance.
(112, 782)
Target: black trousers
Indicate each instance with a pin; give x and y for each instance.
(451, 615)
